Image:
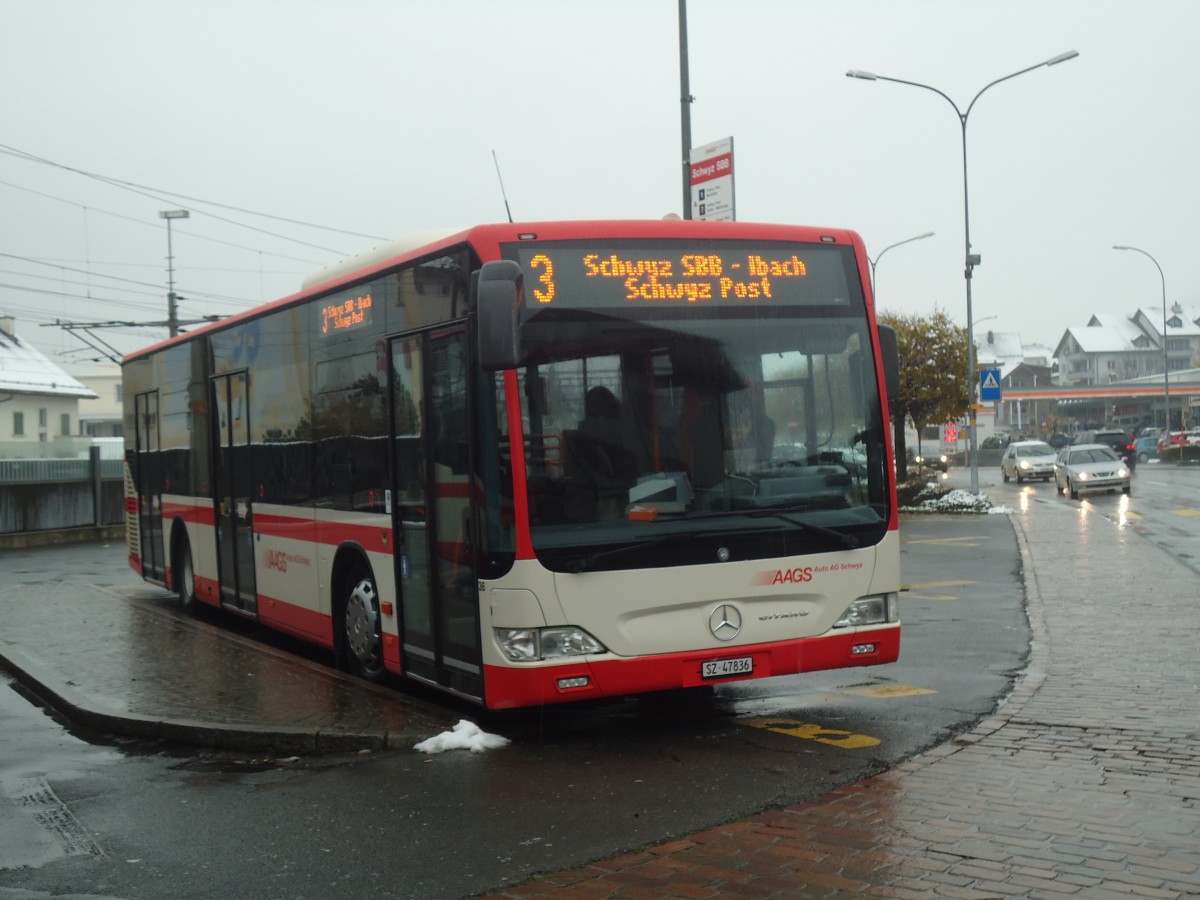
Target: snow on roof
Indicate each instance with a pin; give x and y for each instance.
(1106, 333)
(999, 345)
(25, 370)
(1188, 318)
(1000, 349)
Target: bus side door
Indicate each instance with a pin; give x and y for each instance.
(431, 450)
(149, 474)
(232, 482)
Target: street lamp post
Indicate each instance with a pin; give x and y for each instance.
(1166, 370)
(875, 261)
(972, 260)
(172, 307)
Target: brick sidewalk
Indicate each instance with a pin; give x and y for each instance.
(1085, 783)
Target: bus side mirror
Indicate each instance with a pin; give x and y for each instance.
(890, 353)
(498, 306)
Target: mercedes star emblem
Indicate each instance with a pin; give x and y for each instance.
(725, 622)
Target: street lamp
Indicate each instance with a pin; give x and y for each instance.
(172, 310)
(875, 261)
(972, 260)
(1166, 371)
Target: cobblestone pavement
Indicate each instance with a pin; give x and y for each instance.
(1085, 783)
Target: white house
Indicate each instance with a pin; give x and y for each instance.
(102, 417)
(39, 402)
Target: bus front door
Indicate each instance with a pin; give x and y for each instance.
(233, 510)
(432, 507)
(149, 487)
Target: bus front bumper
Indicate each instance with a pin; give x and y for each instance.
(510, 687)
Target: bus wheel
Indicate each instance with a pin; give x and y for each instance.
(185, 577)
(361, 630)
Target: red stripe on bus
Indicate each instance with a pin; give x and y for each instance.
(208, 590)
(290, 527)
(374, 538)
(197, 513)
(514, 686)
(296, 620)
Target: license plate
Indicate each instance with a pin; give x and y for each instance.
(720, 668)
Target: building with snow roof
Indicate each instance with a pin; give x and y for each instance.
(39, 402)
(1113, 348)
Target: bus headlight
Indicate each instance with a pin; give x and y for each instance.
(875, 610)
(530, 644)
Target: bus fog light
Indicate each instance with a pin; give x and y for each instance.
(578, 681)
(859, 649)
(875, 610)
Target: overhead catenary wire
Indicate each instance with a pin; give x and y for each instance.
(148, 191)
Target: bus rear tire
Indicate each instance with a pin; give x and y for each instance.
(361, 631)
(185, 577)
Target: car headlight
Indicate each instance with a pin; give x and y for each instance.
(875, 610)
(1024, 464)
(1082, 476)
(1122, 472)
(532, 644)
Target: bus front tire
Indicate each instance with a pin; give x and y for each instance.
(362, 640)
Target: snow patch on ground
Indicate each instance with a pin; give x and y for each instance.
(464, 736)
(955, 500)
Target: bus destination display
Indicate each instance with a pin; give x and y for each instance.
(345, 314)
(570, 275)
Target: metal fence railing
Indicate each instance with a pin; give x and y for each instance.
(59, 491)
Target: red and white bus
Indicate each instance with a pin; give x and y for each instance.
(537, 463)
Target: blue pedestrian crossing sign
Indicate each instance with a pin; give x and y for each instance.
(989, 385)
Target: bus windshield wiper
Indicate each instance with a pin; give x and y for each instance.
(846, 540)
(584, 563)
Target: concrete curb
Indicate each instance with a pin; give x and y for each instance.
(64, 698)
(25, 540)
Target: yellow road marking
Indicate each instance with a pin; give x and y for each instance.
(846, 740)
(914, 591)
(965, 541)
(1186, 512)
(890, 690)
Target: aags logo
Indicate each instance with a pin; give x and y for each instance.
(799, 575)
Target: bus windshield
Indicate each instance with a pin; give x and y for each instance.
(755, 424)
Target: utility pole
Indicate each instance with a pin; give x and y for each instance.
(685, 100)
(172, 306)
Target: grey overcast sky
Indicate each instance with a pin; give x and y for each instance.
(380, 118)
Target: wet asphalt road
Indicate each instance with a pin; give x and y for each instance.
(574, 785)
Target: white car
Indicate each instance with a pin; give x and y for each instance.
(1090, 467)
(1028, 459)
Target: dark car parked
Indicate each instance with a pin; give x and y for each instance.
(1119, 440)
